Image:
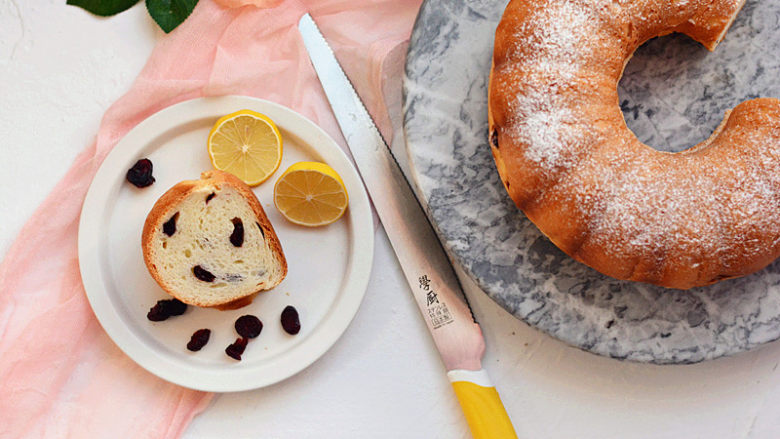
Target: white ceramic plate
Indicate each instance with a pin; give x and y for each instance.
(329, 266)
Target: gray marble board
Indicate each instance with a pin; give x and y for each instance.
(673, 95)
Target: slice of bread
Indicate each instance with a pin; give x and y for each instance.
(209, 243)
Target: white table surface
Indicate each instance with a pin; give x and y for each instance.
(61, 68)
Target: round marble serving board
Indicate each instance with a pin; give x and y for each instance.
(673, 95)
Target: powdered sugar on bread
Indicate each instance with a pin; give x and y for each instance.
(568, 160)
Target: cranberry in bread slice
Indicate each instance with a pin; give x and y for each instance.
(209, 243)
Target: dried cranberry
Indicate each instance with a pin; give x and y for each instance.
(166, 308)
(169, 227)
(237, 237)
(157, 313)
(203, 274)
(175, 307)
(237, 348)
(290, 321)
(248, 326)
(210, 196)
(199, 339)
(262, 232)
(141, 173)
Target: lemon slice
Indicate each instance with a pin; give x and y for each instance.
(311, 194)
(247, 144)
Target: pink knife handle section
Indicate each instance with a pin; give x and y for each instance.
(458, 338)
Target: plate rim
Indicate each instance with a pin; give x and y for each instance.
(330, 328)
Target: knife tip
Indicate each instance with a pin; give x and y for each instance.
(305, 20)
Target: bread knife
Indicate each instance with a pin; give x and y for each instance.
(425, 264)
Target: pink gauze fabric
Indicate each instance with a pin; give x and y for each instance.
(60, 374)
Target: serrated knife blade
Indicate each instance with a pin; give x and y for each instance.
(425, 264)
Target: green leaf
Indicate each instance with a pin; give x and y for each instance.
(170, 13)
(104, 8)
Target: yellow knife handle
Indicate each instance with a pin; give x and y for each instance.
(485, 414)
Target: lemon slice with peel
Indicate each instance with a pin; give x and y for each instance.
(247, 144)
(311, 194)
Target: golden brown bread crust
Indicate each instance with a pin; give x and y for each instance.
(175, 195)
(568, 160)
